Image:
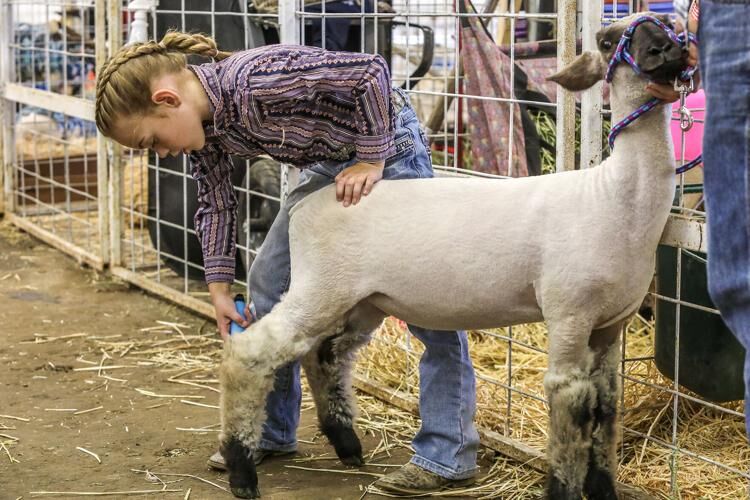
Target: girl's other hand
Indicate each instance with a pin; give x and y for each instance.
(357, 181)
(225, 309)
(667, 92)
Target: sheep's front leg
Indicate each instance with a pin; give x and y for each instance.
(600, 480)
(246, 375)
(572, 396)
(328, 370)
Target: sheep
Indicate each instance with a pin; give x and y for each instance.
(575, 249)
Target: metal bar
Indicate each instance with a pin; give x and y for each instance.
(80, 255)
(591, 100)
(511, 115)
(697, 456)
(198, 306)
(70, 106)
(566, 104)
(66, 186)
(674, 392)
(289, 33)
(686, 233)
(686, 304)
(676, 384)
(6, 113)
(102, 166)
(289, 29)
(114, 14)
(427, 14)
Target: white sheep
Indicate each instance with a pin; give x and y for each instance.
(574, 249)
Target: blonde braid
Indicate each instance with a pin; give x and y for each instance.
(124, 83)
(193, 43)
(104, 93)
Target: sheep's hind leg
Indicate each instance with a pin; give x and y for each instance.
(247, 375)
(600, 479)
(571, 395)
(328, 370)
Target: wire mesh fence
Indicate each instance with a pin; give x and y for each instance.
(476, 75)
(154, 242)
(53, 181)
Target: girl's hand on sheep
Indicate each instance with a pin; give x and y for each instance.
(224, 307)
(357, 181)
(666, 92)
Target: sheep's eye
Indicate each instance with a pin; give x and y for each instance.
(605, 44)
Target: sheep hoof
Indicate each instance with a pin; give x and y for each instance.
(353, 461)
(344, 441)
(251, 492)
(600, 485)
(243, 478)
(557, 490)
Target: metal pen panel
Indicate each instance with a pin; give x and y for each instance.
(53, 174)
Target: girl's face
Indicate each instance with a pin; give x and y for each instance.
(166, 132)
(173, 126)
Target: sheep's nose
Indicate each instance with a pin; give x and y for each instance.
(655, 50)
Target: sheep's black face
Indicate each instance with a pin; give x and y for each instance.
(658, 56)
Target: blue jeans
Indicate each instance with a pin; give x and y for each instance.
(447, 442)
(725, 62)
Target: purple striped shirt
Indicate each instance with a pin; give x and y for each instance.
(300, 105)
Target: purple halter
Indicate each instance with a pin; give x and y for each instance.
(622, 54)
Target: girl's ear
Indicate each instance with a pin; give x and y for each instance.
(167, 97)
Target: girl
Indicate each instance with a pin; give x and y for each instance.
(333, 114)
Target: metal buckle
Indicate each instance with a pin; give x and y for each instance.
(687, 85)
(686, 119)
(684, 88)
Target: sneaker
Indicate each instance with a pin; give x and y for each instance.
(412, 479)
(217, 461)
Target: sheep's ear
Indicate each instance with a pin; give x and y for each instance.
(582, 73)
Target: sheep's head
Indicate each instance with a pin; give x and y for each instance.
(659, 57)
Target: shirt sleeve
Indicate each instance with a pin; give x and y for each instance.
(216, 217)
(376, 118)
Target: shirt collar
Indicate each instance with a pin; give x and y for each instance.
(210, 82)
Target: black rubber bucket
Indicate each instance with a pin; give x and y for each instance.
(177, 207)
(711, 358)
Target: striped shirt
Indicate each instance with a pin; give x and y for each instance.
(300, 105)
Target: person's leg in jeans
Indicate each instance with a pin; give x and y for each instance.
(725, 64)
(447, 442)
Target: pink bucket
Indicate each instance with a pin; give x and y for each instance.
(696, 103)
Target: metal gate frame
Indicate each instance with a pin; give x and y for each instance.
(12, 94)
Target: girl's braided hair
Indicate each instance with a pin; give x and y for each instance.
(123, 86)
